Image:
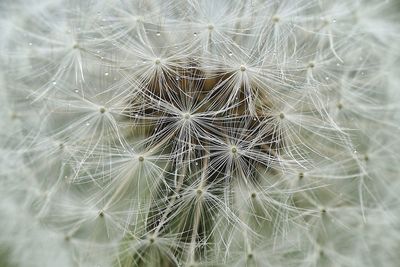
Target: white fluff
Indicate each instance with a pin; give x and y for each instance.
(199, 133)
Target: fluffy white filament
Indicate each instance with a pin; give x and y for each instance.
(199, 133)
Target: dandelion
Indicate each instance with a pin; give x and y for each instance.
(199, 133)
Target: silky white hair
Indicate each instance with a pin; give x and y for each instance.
(199, 133)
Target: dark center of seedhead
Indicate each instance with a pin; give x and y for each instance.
(229, 141)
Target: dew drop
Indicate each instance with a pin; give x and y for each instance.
(54, 82)
(195, 34)
(87, 124)
(334, 20)
(106, 74)
(327, 78)
(76, 91)
(230, 54)
(158, 33)
(30, 44)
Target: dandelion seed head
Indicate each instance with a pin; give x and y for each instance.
(201, 133)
